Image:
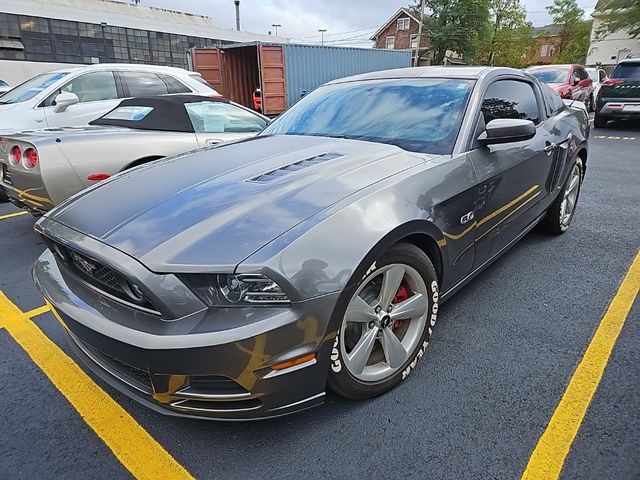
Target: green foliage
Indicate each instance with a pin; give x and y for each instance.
(511, 40)
(574, 32)
(618, 15)
(457, 25)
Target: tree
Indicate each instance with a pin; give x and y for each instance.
(619, 15)
(456, 25)
(567, 15)
(511, 40)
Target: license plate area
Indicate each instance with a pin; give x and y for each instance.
(633, 107)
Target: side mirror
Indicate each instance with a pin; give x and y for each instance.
(575, 81)
(64, 100)
(507, 130)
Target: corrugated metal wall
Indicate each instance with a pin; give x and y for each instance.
(309, 66)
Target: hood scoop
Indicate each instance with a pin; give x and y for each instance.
(294, 167)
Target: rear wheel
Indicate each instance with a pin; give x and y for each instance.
(562, 210)
(599, 121)
(387, 324)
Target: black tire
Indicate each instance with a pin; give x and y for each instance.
(599, 121)
(552, 222)
(340, 380)
(3, 195)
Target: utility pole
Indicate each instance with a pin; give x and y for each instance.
(322, 30)
(276, 25)
(420, 32)
(237, 4)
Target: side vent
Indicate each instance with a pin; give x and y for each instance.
(294, 167)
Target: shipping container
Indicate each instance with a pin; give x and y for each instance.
(285, 72)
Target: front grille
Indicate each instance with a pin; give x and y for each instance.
(132, 376)
(100, 276)
(98, 272)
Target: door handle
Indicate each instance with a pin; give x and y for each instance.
(212, 141)
(550, 147)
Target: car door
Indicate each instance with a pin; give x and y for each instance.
(513, 176)
(217, 121)
(97, 94)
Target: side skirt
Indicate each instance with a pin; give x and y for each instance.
(445, 296)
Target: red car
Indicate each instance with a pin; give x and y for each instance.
(570, 81)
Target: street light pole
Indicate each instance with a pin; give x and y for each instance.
(276, 25)
(322, 30)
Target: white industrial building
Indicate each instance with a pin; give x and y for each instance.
(39, 35)
(613, 47)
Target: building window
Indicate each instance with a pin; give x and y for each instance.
(414, 40)
(544, 50)
(390, 43)
(403, 23)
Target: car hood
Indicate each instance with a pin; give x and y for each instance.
(211, 209)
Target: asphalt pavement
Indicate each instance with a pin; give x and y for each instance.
(500, 360)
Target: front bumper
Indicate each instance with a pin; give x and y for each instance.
(184, 368)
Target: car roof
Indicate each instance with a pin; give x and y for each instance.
(630, 60)
(553, 65)
(461, 72)
(124, 66)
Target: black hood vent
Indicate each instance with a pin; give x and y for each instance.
(294, 167)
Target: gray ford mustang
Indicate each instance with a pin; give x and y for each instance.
(240, 281)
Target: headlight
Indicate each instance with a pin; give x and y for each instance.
(236, 289)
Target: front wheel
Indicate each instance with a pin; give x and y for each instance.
(562, 210)
(387, 324)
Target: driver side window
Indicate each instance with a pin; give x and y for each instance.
(91, 87)
(510, 99)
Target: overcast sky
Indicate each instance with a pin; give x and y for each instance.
(347, 22)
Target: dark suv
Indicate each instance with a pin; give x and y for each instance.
(619, 96)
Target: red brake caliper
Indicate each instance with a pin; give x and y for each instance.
(401, 296)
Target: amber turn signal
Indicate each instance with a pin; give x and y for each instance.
(295, 361)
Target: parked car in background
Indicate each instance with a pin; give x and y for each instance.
(42, 168)
(75, 96)
(619, 96)
(4, 87)
(598, 76)
(244, 280)
(572, 82)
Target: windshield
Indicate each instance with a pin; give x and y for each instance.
(627, 71)
(593, 74)
(415, 114)
(551, 75)
(30, 88)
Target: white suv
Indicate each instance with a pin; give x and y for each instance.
(75, 96)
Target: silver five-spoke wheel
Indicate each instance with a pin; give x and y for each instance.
(384, 322)
(570, 197)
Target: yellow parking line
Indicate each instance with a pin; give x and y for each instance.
(138, 451)
(10, 215)
(549, 454)
(37, 311)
